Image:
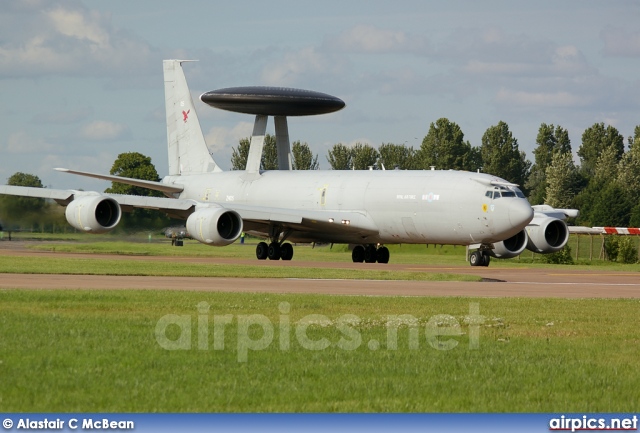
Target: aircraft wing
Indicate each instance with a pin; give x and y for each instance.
(26, 191)
(303, 224)
(306, 224)
(172, 206)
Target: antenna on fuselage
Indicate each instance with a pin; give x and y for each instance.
(278, 102)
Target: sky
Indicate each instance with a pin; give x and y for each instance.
(81, 81)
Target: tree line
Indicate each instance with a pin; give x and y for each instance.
(604, 186)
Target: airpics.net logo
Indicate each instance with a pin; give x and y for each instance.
(256, 332)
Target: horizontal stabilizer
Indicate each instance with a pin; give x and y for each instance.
(156, 186)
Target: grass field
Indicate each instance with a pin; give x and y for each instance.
(404, 254)
(586, 250)
(102, 351)
(81, 266)
(97, 351)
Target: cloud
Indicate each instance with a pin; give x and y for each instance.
(88, 27)
(42, 38)
(541, 99)
(565, 61)
(101, 130)
(22, 143)
(370, 39)
(219, 138)
(61, 116)
(97, 163)
(353, 143)
(305, 65)
(620, 43)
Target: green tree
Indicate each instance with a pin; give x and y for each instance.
(635, 138)
(606, 168)
(137, 166)
(634, 217)
(561, 181)
(16, 211)
(627, 251)
(629, 168)
(269, 159)
(303, 158)
(396, 155)
(621, 249)
(501, 155)
(364, 156)
(444, 147)
(25, 204)
(340, 157)
(550, 140)
(610, 208)
(595, 140)
(591, 200)
(240, 154)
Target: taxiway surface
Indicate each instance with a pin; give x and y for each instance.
(499, 282)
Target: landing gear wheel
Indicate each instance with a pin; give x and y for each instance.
(475, 259)
(383, 255)
(370, 254)
(286, 251)
(357, 255)
(274, 251)
(486, 258)
(262, 250)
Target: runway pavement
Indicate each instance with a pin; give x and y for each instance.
(499, 282)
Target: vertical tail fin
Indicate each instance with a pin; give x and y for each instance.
(188, 152)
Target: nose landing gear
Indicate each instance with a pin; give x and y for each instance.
(479, 258)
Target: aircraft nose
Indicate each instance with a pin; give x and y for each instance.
(520, 213)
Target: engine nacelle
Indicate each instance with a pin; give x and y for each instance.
(510, 247)
(93, 213)
(547, 235)
(215, 226)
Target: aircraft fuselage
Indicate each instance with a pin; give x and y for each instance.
(425, 207)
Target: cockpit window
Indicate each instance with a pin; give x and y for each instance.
(519, 193)
(503, 191)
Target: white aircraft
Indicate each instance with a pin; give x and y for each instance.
(366, 208)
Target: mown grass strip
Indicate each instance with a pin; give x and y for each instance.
(81, 266)
(401, 254)
(96, 351)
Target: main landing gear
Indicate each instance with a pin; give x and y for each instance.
(370, 254)
(479, 258)
(276, 249)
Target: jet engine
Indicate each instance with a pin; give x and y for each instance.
(93, 214)
(547, 234)
(215, 226)
(511, 247)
